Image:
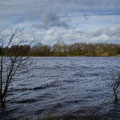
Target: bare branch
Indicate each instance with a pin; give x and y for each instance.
(11, 64)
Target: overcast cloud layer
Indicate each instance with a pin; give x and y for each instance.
(71, 21)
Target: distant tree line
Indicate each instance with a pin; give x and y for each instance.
(61, 49)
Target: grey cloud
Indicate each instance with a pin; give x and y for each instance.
(23, 8)
(115, 31)
(50, 19)
(86, 17)
(110, 32)
(97, 32)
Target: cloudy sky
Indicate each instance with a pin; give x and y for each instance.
(71, 21)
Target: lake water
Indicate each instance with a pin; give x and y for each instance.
(64, 86)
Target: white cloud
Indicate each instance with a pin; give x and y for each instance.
(55, 34)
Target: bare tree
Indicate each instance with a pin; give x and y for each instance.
(115, 86)
(10, 64)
